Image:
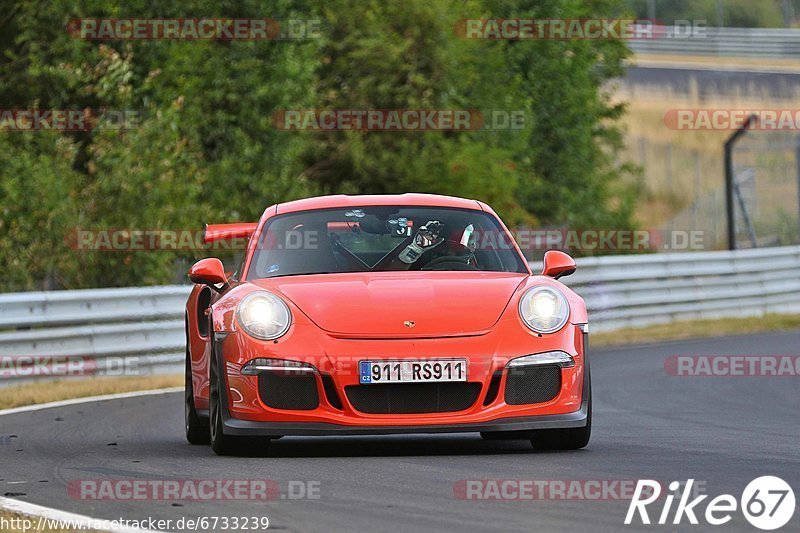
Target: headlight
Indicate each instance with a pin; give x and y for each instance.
(263, 315)
(544, 309)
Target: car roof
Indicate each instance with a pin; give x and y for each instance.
(407, 199)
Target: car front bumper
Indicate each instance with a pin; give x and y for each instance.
(234, 426)
(244, 413)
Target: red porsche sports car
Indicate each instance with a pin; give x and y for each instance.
(387, 314)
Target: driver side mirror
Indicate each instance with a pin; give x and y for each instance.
(557, 264)
(208, 271)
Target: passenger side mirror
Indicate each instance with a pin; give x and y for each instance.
(208, 271)
(557, 264)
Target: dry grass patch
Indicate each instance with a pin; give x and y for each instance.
(681, 165)
(696, 329)
(64, 389)
(727, 62)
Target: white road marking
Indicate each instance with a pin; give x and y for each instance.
(30, 509)
(88, 399)
(75, 521)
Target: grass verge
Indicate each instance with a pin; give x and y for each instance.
(65, 389)
(729, 62)
(696, 329)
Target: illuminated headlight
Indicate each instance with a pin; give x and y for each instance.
(544, 309)
(263, 315)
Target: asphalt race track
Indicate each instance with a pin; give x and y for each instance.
(722, 431)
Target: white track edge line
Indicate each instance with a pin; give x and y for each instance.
(88, 399)
(30, 509)
(44, 513)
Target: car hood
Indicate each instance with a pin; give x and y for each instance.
(400, 304)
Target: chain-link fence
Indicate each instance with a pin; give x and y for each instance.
(690, 187)
(766, 189)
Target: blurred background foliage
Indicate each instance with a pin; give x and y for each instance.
(724, 13)
(205, 149)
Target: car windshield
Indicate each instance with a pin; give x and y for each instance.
(383, 238)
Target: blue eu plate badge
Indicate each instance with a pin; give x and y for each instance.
(364, 372)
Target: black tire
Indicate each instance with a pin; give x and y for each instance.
(549, 439)
(566, 439)
(196, 425)
(221, 443)
(563, 439)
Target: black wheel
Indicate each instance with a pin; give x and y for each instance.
(562, 439)
(221, 444)
(565, 439)
(196, 426)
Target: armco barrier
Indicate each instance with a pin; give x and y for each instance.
(141, 323)
(641, 290)
(620, 291)
(737, 42)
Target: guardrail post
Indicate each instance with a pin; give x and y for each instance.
(729, 185)
(797, 162)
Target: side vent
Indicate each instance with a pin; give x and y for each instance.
(330, 391)
(494, 387)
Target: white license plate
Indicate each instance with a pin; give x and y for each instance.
(411, 371)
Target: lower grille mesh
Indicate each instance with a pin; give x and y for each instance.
(409, 398)
(532, 384)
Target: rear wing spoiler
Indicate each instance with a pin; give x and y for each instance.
(238, 230)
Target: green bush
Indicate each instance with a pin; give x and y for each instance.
(204, 148)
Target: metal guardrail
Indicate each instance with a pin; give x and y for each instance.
(141, 327)
(620, 292)
(742, 42)
(642, 290)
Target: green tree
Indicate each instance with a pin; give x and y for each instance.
(204, 147)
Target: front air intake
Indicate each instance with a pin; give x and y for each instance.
(288, 390)
(532, 384)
